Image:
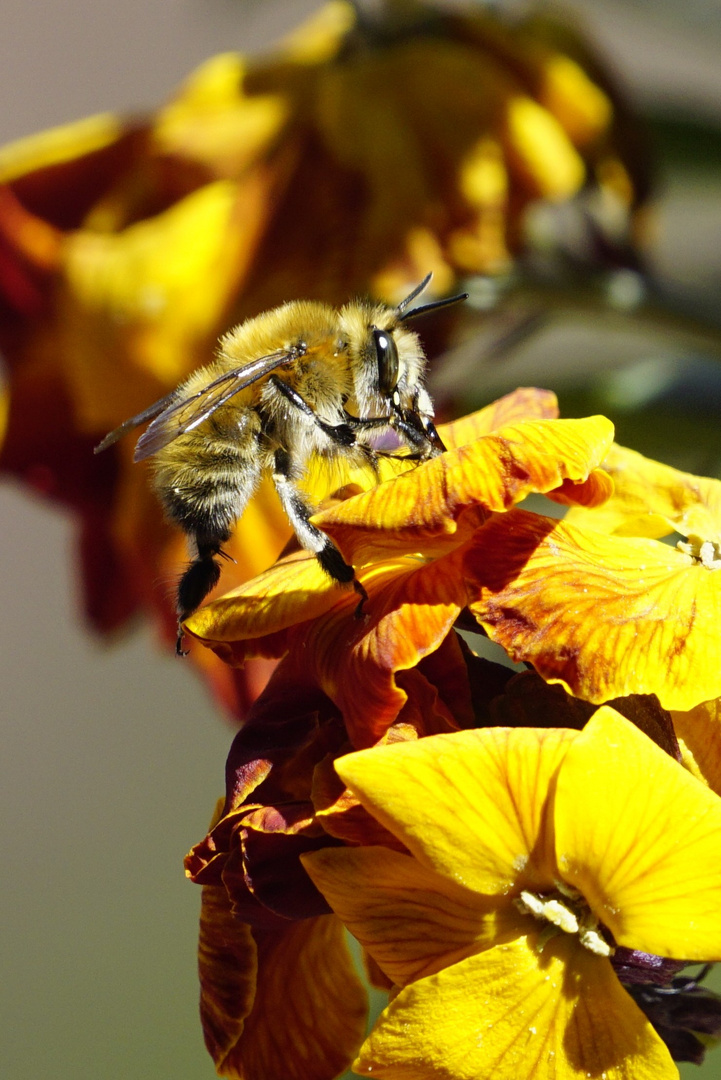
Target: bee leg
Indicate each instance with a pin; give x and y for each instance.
(309, 536)
(341, 434)
(199, 578)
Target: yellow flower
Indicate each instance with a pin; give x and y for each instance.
(534, 854)
(596, 602)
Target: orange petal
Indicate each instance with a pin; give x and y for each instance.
(652, 499)
(411, 609)
(526, 403)
(474, 805)
(639, 837)
(309, 1013)
(424, 510)
(605, 616)
(413, 921)
(513, 1012)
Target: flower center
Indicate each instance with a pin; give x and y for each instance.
(565, 910)
(707, 552)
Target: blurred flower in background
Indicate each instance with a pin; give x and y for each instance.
(375, 145)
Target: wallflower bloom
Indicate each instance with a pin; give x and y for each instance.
(599, 604)
(129, 245)
(532, 856)
(402, 675)
(407, 539)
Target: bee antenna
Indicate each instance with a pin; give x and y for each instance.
(425, 309)
(416, 292)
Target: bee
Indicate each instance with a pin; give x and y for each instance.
(301, 380)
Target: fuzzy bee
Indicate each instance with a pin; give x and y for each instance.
(304, 379)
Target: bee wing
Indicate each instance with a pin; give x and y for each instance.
(133, 422)
(182, 416)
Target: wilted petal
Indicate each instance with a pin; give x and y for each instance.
(309, 1013)
(440, 504)
(473, 805)
(606, 616)
(640, 838)
(412, 920)
(228, 967)
(513, 1012)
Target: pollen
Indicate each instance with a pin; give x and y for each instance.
(567, 911)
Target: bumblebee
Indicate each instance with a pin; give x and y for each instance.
(302, 380)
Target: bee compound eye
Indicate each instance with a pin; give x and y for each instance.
(387, 357)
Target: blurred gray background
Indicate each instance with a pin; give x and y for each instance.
(112, 757)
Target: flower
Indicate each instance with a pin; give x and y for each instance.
(408, 539)
(279, 994)
(533, 855)
(598, 604)
(128, 245)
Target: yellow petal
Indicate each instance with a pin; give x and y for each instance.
(544, 150)
(652, 499)
(58, 145)
(605, 616)
(512, 1013)
(212, 121)
(641, 839)
(699, 735)
(292, 591)
(474, 805)
(309, 1013)
(439, 504)
(137, 280)
(412, 921)
(567, 92)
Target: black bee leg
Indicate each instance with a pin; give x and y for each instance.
(309, 536)
(200, 577)
(342, 434)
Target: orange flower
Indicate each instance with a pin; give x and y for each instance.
(594, 603)
(127, 246)
(407, 538)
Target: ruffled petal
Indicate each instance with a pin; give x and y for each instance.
(513, 1012)
(410, 610)
(652, 499)
(438, 505)
(525, 403)
(640, 838)
(605, 616)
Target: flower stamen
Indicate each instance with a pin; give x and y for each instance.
(567, 912)
(707, 552)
